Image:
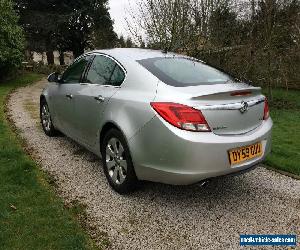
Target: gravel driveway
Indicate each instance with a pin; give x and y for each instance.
(160, 216)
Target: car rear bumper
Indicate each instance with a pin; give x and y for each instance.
(163, 153)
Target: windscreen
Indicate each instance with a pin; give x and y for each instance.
(183, 72)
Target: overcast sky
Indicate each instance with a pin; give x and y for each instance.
(118, 12)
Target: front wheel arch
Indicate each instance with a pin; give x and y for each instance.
(52, 131)
(42, 98)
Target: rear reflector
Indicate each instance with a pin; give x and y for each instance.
(241, 93)
(266, 110)
(181, 116)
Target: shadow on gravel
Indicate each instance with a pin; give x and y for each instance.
(237, 193)
(241, 195)
(225, 189)
(220, 188)
(238, 190)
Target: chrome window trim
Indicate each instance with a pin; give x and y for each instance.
(110, 57)
(230, 106)
(99, 85)
(113, 59)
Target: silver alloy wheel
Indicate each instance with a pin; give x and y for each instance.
(115, 162)
(46, 118)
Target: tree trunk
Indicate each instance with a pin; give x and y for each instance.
(270, 94)
(50, 57)
(61, 58)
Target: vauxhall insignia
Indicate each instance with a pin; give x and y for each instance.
(244, 107)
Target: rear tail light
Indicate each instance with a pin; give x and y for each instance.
(181, 116)
(266, 110)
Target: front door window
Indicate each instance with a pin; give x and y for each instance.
(74, 73)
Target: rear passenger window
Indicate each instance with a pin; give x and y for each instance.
(101, 71)
(117, 77)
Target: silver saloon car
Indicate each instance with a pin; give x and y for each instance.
(156, 116)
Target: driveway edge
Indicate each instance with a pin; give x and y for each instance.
(294, 176)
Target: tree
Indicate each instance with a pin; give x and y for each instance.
(274, 35)
(11, 38)
(223, 27)
(254, 39)
(88, 25)
(66, 25)
(174, 25)
(129, 43)
(103, 33)
(142, 45)
(41, 35)
(121, 42)
(167, 24)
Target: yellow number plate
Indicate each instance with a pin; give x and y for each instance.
(242, 154)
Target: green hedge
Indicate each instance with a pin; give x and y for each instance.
(11, 39)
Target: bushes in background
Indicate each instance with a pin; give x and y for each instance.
(47, 69)
(261, 67)
(11, 39)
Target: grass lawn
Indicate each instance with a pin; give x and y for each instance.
(31, 215)
(285, 112)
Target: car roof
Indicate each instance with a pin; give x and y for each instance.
(133, 54)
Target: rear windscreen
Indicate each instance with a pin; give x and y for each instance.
(183, 72)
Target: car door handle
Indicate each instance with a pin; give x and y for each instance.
(99, 98)
(69, 96)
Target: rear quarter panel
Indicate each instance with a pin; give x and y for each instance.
(129, 109)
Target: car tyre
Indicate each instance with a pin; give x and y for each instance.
(117, 163)
(46, 120)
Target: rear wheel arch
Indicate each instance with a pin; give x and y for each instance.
(113, 168)
(107, 127)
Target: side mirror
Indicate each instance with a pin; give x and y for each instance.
(54, 77)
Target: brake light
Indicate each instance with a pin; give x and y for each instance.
(181, 116)
(241, 93)
(266, 110)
